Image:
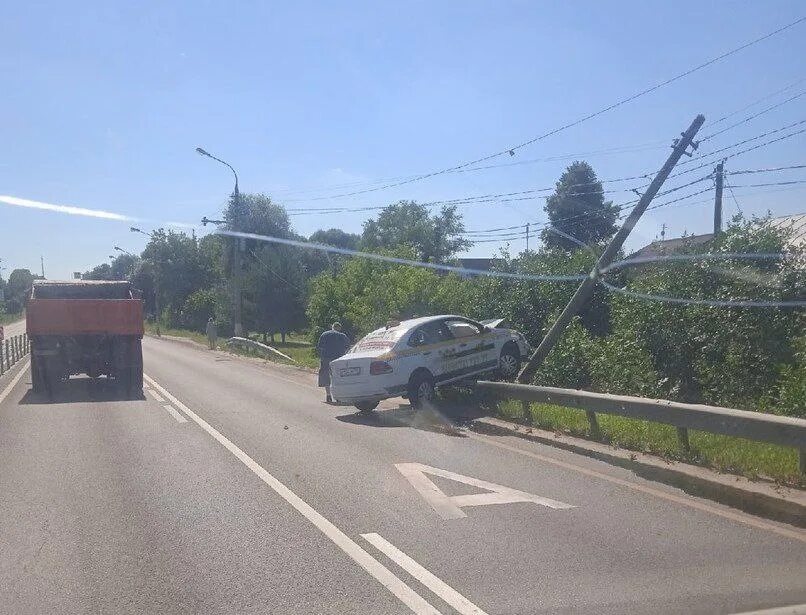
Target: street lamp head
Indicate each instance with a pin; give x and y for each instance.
(203, 152)
(118, 248)
(134, 229)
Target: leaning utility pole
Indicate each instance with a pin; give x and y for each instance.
(719, 172)
(586, 288)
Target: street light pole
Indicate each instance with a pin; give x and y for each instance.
(157, 277)
(134, 258)
(237, 301)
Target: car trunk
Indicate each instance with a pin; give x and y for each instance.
(354, 367)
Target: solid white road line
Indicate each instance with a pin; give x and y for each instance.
(378, 571)
(179, 418)
(435, 584)
(795, 609)
(157, 397)
(748, 520)
(14, 382)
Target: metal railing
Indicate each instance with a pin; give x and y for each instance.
(761, 427)
(12, 350)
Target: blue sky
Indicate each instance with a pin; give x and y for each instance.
(103, 104)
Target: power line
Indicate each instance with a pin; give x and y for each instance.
(751, 117)
(744, 151)
(511, 150)
(733, 194)
(769, 170)
(759, 100)
(651, 145)
(786, 183)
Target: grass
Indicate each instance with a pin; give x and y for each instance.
(7, 318)
(295, 346)
(723, 453)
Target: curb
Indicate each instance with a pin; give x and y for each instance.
(784, 504)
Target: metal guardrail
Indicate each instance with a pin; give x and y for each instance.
(244, 342)
(12, 350)
(758, 426)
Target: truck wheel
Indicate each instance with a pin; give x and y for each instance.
(52, 375)
(38, 382)
(120, 359)
(135, 384)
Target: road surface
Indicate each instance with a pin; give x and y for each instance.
(231, 488)
(14, 328)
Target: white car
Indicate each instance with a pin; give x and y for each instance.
(412, 358)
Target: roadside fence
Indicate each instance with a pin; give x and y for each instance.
(761, 427)
(12, 350)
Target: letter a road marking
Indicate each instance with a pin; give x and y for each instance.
(450, 507)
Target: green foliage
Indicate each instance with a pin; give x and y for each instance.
(99, 272)
(718, 355)
(17, 290)
(433, 238)
(578, 208)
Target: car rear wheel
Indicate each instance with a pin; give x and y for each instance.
(365, 407)
(421, 389)
(509, 363)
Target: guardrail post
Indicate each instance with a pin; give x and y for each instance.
(525, 411)
(2, 366)
(8, 362)
(682, 438)
(596, 433)
(14, 349)
(802, 460)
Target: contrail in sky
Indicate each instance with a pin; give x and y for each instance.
(65, 209)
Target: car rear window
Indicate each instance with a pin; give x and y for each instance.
(380, 339)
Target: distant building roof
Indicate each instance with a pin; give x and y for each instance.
(795, 223)
(479, 264)
(670, 246)
(484, 264)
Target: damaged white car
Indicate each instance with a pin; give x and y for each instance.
(411, 358)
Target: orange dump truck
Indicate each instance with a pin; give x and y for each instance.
(85, 327)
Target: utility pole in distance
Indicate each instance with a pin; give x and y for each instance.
(585, 289)
(720, 179)
(527, 236)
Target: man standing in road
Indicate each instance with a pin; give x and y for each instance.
(212, 333)
(331, 345)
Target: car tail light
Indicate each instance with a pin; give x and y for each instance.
(377, 368)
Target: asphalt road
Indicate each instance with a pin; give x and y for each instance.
(14, 328)
(231, 488)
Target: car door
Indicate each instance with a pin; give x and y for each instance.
(474, 352)
(428, 341)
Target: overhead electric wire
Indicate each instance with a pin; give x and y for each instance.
(786, 183)
(750, 118)
(511, 149)
(769, 170)
(757, 101)
(733, 194)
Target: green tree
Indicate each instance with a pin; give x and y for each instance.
(123, 266)
(433, 238)
(318, 260)
(578, 208)
(99, 272)
(336, 237)
(276, 283)
(17, 289)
